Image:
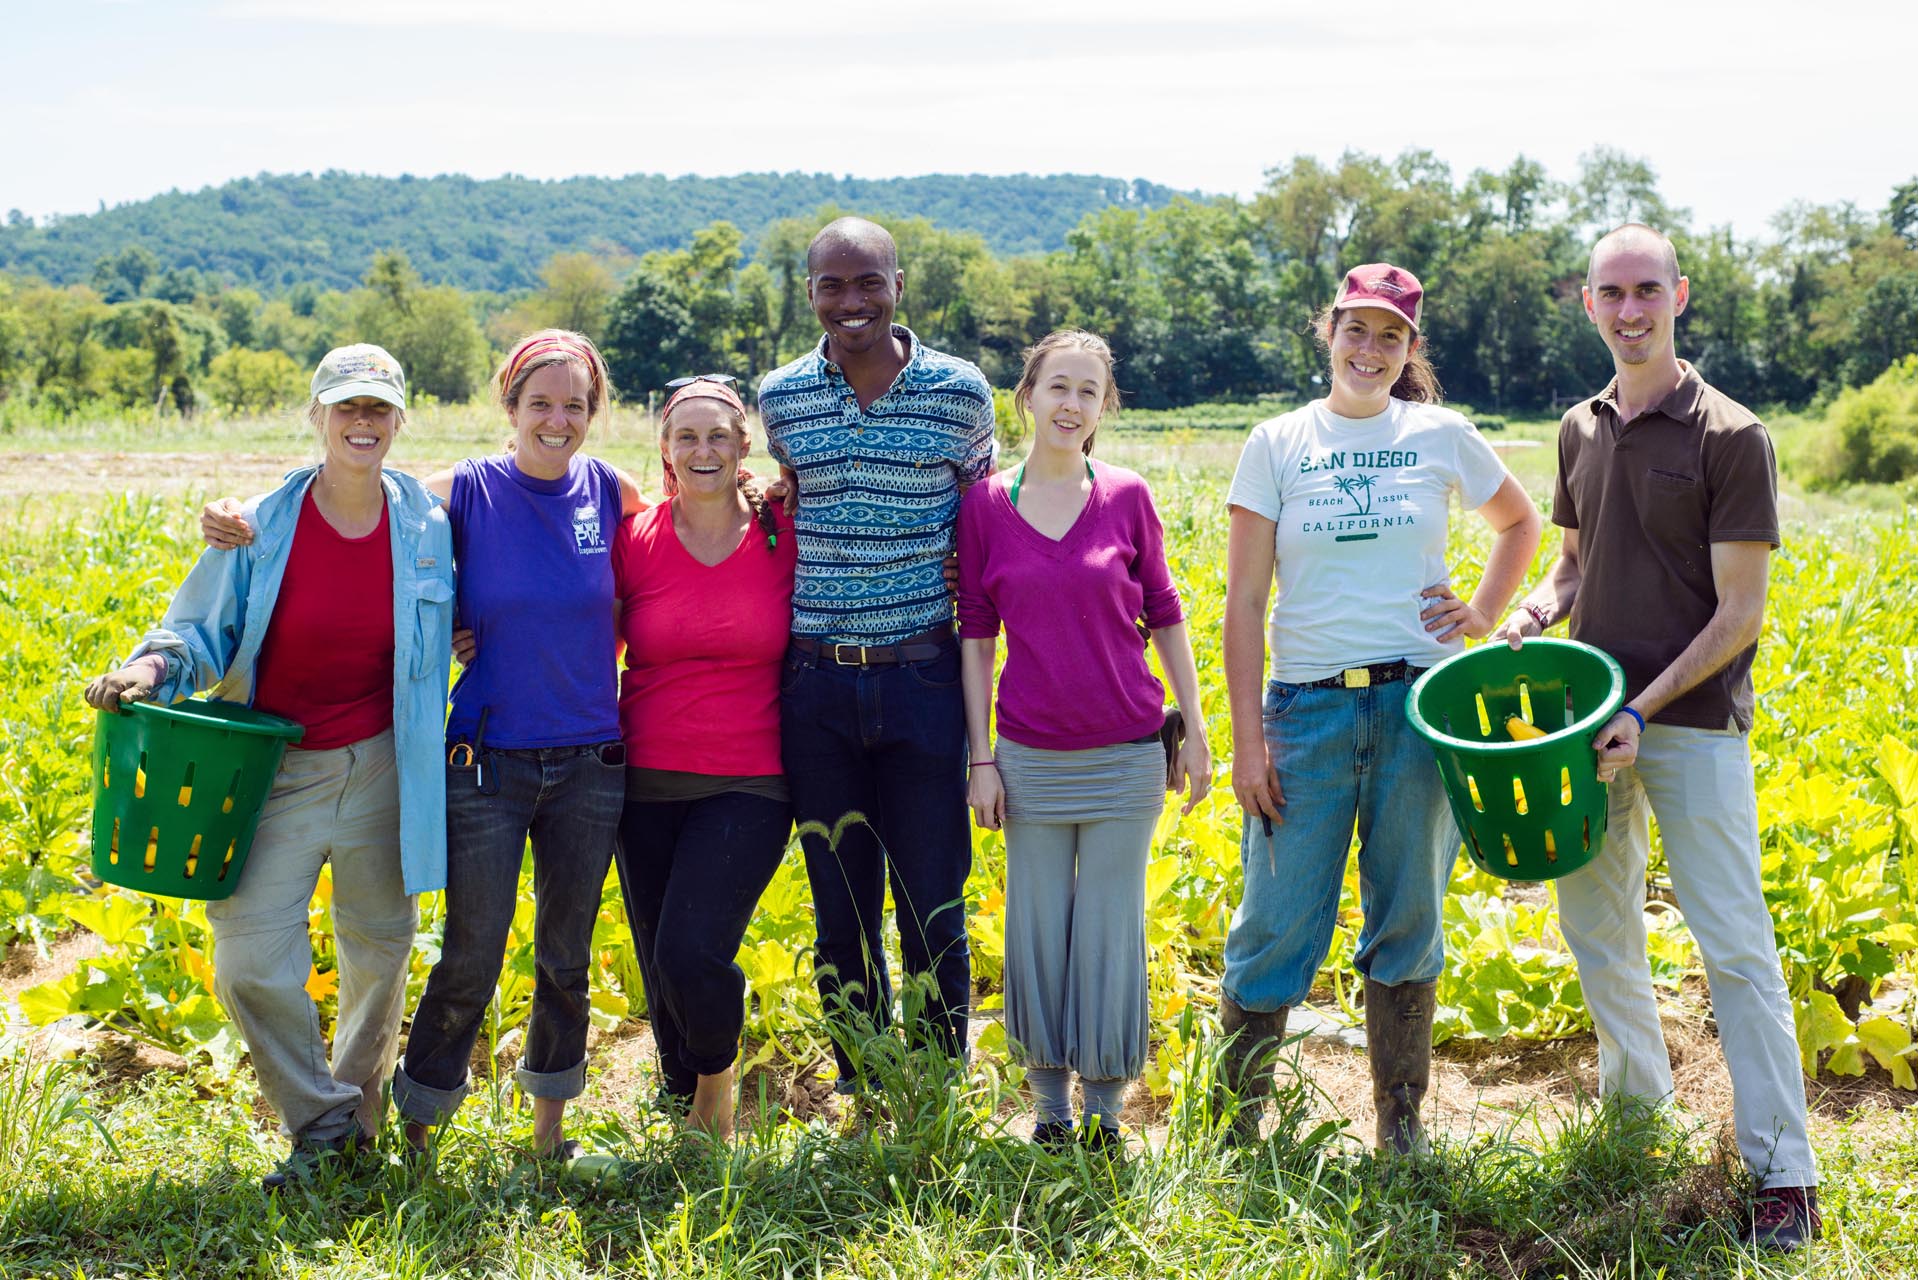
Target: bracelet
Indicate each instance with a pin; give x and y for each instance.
(978, 763)
(1633, 713)
(1538, 614)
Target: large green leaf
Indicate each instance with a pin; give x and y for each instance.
(113, 916)
(1821, 1025)
(1897, 764)
(1891, 1045)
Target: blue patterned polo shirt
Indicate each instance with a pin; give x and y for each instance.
(878, 487)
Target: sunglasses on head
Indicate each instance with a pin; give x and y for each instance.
(721, 378)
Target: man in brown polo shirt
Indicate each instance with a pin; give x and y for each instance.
(1667, 493)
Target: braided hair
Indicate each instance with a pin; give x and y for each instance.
(762, 510)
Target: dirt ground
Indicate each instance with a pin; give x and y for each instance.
(1478, 1087)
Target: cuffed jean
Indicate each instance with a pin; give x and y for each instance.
(340, 806)
(1698, 783)
(1344, 757)
(568, 802)
(889, 743)
(692, 872)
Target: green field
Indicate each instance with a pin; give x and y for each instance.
(112, 1171)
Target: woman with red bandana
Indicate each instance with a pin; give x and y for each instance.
(705, 581)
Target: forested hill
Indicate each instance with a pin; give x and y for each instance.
(274, 231)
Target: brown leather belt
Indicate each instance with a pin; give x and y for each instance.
(923, 647)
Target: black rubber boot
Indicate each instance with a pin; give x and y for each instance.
(1398, 1040)
(1245, 1064)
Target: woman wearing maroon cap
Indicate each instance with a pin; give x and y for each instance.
(1345, 503)
(705, 582)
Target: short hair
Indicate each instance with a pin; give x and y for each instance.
(1637, 231)
(859, 232)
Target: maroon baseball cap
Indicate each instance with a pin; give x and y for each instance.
(1382, 285)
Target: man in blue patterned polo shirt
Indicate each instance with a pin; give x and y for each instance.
(882, 436)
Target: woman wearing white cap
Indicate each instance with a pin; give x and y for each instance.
(1346, 501)
(339, 618)
(532, 746)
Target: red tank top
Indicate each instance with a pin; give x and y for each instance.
(327, 660)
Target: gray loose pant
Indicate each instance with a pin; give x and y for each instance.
(340, 806)
(1698, 784)
(1078, 833)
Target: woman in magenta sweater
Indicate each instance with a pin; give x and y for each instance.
(705, 582)
(1068, 556)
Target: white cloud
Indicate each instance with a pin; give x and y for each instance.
(1741, 108)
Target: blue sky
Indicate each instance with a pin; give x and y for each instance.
(1740, 107)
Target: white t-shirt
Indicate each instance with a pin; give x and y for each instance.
(1361, 509)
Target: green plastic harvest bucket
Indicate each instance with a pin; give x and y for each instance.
(177, 793)
(1531, 809)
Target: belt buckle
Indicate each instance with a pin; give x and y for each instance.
(1358, 677)
(860, 649)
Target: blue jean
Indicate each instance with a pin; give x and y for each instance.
(1344, 757)
(692, 872)
(887, 742)
(568, 802)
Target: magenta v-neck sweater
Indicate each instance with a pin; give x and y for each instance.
(1075, 674)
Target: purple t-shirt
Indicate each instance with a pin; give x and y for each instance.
(1075, 674)
(536, 586)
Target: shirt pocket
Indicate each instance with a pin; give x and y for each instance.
(432, 627)
(1674, 482)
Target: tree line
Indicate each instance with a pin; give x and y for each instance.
(275, 231)
(1201, 299)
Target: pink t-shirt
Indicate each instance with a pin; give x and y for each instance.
(700, 689)
(1075, 674)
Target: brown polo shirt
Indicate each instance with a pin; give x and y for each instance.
(1648, 498)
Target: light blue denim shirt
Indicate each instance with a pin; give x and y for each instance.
(212, 632)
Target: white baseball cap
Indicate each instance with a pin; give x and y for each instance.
(359, 370)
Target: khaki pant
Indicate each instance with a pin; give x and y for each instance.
(1698, 782)
(340, 806)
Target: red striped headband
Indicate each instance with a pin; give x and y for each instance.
(703, 389)
(550, 344)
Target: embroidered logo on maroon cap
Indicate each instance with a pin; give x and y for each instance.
(1382, 285)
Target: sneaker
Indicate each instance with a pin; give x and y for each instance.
(1785, 1218)
(307, 1160)
(1102, 1140)
(565, 1151)
(1052, 1135)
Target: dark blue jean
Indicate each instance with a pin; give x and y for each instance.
(692, 872)
(888, 743)
(568, 801)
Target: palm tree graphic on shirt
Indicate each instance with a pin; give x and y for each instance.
(1358, 489)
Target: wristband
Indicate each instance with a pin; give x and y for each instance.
(1538, 614)
(1633, 713)
(977, 763)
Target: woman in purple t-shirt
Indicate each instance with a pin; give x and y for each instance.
(533, 737)
(1069, 556)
